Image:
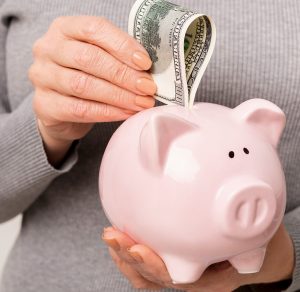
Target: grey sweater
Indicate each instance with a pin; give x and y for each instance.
(59, 248)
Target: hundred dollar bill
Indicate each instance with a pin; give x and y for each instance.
(180, 43)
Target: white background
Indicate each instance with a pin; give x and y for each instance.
(8, 234)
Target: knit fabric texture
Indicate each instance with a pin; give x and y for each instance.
(59, 248)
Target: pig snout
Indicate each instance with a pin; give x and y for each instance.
(246, 208)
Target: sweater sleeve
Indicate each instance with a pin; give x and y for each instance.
(24, 169)
(292, 224)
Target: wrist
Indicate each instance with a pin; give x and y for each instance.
(55, 148)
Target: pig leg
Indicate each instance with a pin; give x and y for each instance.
(183, 271)
(249, 262)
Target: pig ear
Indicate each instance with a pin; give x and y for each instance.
(157, 136)
(265, 115)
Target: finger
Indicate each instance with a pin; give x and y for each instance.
(77, 83)
(97, 62)
(152, 268)
(151, 263)
(131, 274)
(52, 105)
(220, 277)
(120, 242)
(108, 228)
(102, 33)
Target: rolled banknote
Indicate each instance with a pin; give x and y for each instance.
(180, 43)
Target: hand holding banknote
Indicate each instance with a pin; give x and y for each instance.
(86, 70)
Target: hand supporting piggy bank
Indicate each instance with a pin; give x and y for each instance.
(198, 185)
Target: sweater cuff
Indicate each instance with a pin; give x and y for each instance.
(292, 224)
(23, 156)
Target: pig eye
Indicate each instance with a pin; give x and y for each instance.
(231, 154)
(246, 150)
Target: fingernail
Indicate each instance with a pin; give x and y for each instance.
(112, 242)
(146, 86)
(141, 60)
(144, 101)
(136, 256)
(109, 228)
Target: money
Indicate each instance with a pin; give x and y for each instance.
(180, 43)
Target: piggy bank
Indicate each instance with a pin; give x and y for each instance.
(199, 185)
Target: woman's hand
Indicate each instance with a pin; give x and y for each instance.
(86, 70)
(145, 269)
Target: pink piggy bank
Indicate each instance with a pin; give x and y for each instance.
(198, 186)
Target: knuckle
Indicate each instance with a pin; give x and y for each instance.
(120, 74)
(39, 47)
(93, 27)
(32, 73)
(119, 97)
(122, 45)
(80, 83)
(105, 110)
(79, 109)
(35, 73)
(58, 22)
(88, 57)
